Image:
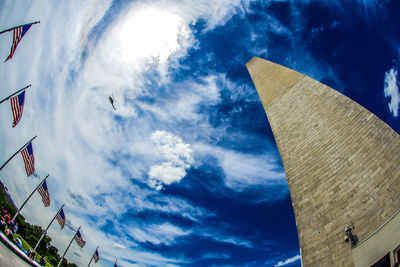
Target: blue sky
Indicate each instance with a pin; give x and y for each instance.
(186, 171)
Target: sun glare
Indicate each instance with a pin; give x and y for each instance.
(150, 33)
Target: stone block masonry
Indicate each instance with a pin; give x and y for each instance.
(342, 163)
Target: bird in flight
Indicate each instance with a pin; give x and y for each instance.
(112, 102)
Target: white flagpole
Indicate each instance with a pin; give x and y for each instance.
(92, 256)
(19, 150)
(68, 247)
(23, 204)
(47, 228)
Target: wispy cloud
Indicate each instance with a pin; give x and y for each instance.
(216, 255)
(156, 234)
(243, 170)
(233, 240)
(391, 90)
(117, 245)
(288, 261)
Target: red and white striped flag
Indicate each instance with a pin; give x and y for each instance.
(44, 192)
(29, 159)
(17, 107)
(61, 218)
(96, 256)
(18, 33)
(79, 240)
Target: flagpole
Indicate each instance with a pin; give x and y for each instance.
(47, 228)
(8, 97)
(36, 22)
(92, 256)
(23, 204)
(19, 150)
(68, 247)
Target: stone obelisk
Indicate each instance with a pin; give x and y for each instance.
(342, 163)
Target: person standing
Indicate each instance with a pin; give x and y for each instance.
(15, 229)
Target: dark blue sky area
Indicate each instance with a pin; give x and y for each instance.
(358, 44)
(236, 214)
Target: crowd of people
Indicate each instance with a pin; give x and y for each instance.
(9, 228)
(7, 225)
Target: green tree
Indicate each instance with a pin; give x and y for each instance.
(43, 246)
(53, 260)
(52, 250)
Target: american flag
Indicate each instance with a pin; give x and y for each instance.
(79, 240)
(45, 194)
(17, 106)
(61, 218)
(96, 256)
(29, 159)
(18, 33)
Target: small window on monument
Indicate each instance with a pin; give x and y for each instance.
(396, 257)
(383, 262)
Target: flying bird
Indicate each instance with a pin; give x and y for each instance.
(112, 102)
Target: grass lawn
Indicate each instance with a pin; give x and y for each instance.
(26, 247)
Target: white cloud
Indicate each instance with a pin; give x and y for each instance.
(156, 233)
(244, 170)
(391, 90)
(214, 13)
(288, 261)
(182, 104)
(235, 241)
(117, 245)
(177, 157)
(158, 38)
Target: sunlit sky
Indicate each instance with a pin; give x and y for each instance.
(186, 171)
